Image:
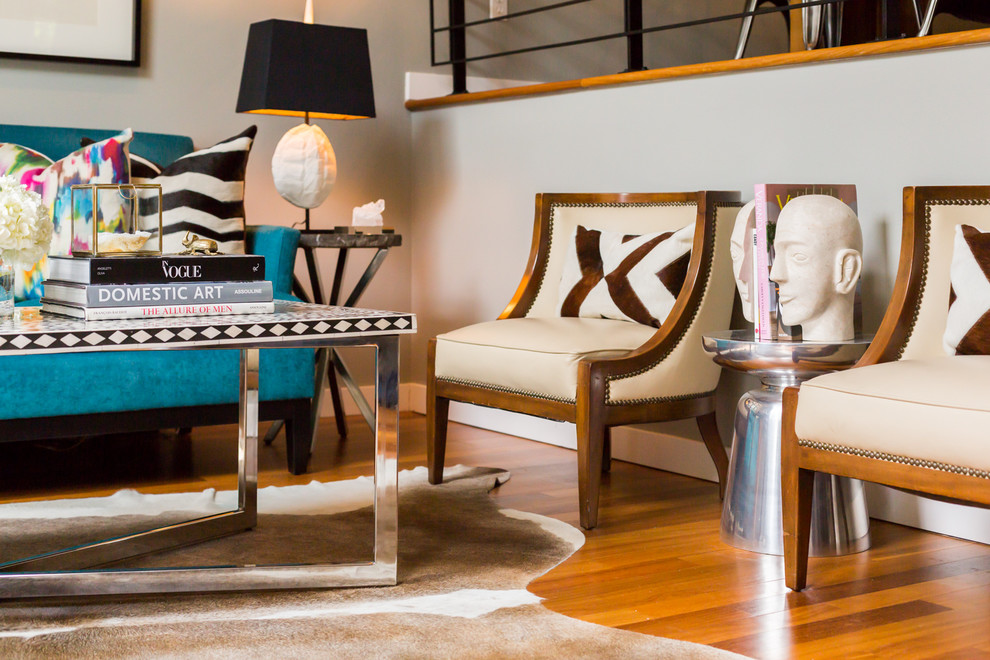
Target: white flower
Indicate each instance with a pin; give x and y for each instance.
(25, 228)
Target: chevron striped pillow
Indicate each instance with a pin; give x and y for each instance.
(967, 326)
(619, 276)
(202, 192)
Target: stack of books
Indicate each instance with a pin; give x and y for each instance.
(95, 288)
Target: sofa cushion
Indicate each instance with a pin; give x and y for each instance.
(613, 275)
(533, 355)
(933, 410)
(967, 326)
(202, 192)
(81, 383)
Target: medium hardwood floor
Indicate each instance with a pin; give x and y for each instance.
(654, 565)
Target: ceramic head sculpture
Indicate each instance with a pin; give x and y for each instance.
(818, 260)
(741, 249)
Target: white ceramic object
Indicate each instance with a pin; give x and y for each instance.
(818, 259)
(369, 215)
(741, 250)
(304, 166)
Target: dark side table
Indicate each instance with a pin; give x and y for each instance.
(329, 363)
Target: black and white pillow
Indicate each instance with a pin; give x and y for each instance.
(625, 277)
(202, 193)
(967, 326)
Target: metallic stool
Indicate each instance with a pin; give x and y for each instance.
(751, 511)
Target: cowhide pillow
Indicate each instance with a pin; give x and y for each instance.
(620, 276)
(967, 326)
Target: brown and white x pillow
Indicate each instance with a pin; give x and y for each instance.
(967, 326)
(620, 276)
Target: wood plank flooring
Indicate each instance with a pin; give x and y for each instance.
(655, 564)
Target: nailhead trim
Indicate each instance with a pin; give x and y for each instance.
(894, 458)
(505, 390)
(708, 271)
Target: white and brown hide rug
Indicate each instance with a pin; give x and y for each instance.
(463, 570)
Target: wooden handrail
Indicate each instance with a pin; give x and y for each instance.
(965, 38)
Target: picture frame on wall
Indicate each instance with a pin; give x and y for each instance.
(86, 31)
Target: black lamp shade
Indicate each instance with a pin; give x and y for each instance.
(294, 69)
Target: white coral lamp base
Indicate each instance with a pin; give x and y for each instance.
(304, 166)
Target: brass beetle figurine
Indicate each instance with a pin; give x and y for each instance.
(196, 245)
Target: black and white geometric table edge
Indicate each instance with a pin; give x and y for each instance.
(65, 334)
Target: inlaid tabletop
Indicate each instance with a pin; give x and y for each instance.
(29, 331)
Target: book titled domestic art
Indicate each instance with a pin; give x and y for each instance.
(130, 295)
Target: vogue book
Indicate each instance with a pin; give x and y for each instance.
(172, 293)
(154, 311)
(157, 270)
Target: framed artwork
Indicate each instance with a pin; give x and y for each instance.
(89, 31)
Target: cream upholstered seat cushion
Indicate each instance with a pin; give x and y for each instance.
(932, 409)
(533, 355)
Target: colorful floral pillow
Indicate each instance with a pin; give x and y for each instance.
(106, 161)
(25, 164)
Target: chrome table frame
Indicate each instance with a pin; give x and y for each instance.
(751, 510)
(65, 572)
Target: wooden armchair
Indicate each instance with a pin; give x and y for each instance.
(595, 372)
(912, 416)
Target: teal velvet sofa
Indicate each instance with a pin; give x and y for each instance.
(82, 394)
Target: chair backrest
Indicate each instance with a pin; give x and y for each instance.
(558, 214)
(915, 320)
(704, 303)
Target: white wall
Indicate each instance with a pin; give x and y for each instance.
(882, 123)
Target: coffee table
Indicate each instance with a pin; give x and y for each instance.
(67, 572)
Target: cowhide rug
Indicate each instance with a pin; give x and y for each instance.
(463, 570)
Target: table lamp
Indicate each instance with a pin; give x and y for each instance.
(306, 70)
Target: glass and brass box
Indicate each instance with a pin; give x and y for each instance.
(116, 219)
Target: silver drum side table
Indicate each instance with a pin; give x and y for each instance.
(751, 517)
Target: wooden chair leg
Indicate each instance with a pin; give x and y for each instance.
(436, 436)
(436, 420)
(607, 451)
(591, 450)
(796, 490)
(713, 442)
(798, 487)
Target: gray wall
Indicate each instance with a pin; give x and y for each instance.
(882, 123)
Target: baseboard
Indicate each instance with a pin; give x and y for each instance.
(677, 447)
(673, 448)
(965, 522)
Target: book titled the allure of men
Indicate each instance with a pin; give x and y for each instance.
(157, 270)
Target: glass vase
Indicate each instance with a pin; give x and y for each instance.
(6, 289)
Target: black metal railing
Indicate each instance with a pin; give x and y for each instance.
(633, 31)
